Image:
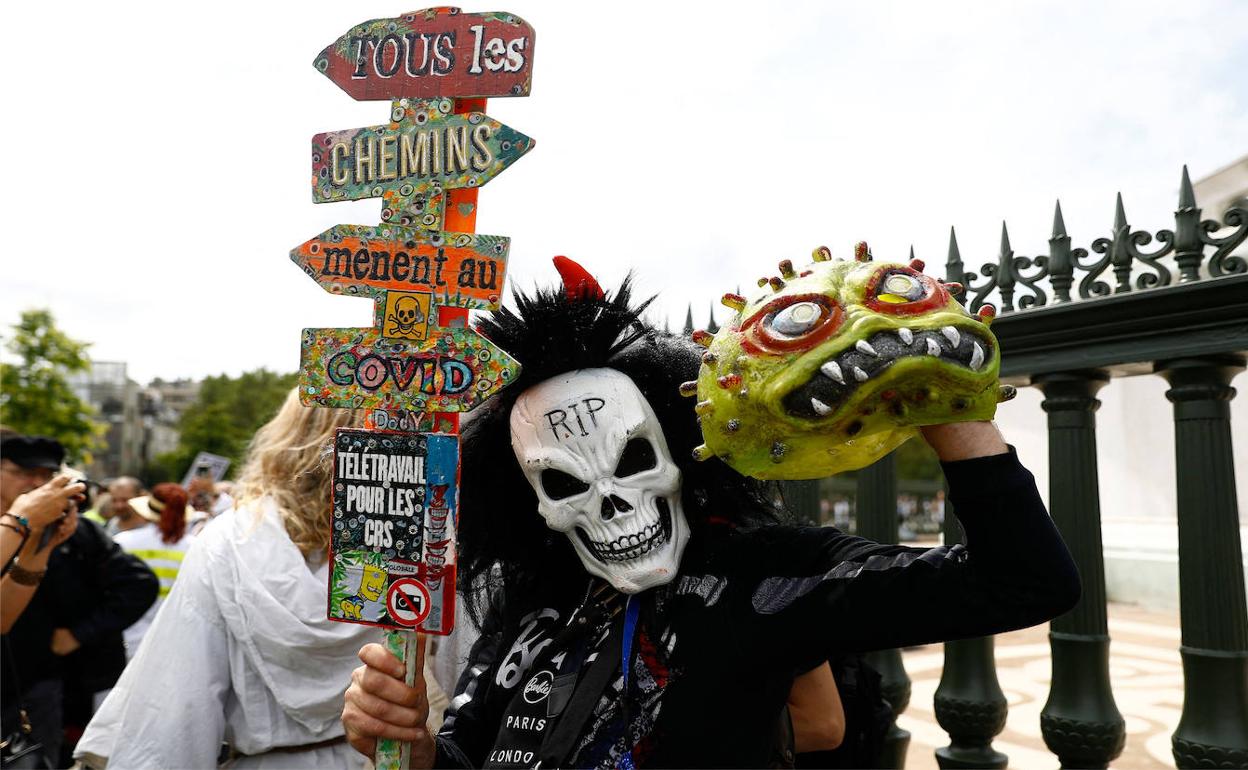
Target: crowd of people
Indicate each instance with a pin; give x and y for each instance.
(86, 568)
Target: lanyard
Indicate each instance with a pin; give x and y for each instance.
(626, 654)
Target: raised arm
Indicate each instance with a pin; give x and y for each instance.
(853, 594)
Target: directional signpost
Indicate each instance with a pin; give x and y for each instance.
(396, 483)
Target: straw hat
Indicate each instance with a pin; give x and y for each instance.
(147, 506)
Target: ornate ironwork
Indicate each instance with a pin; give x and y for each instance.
(1074, 273)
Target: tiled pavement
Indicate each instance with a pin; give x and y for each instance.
(1147, 680)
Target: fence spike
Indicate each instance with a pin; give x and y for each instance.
(711, 326)
(1120, 214)
(1187, 196)
(1005, 239)
(689, 320)
(1059, 224)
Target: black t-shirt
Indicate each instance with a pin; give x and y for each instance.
(716, 650)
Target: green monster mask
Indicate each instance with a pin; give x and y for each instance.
(829, 369)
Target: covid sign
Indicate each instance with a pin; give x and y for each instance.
(393, 523)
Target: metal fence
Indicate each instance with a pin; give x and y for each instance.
(1180, 311)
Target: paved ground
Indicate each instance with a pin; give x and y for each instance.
(1147, 679)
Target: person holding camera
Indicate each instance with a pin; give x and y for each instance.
(81, 589)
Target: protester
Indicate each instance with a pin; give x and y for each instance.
(31, 500)
(121, 491)
(258, 664)
(162, 544)
(71, 629)
(688, 661)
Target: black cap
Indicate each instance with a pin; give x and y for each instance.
(33, 451)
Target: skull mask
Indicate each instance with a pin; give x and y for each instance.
(590, 445)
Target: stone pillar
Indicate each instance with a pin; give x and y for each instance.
(969, 703)
(1213, 730)
(1080, 722)
(877, 520)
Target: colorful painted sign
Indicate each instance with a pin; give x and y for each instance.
(395, 496)
(451, 370)
(425, 149)
(458, 269)
(431, 53)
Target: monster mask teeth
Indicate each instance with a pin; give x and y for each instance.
(860, 375)
(821, 408)
(933, 349)
(865, 347)
(977, 356)
(833, 370)
(952, 335)
(906, 335)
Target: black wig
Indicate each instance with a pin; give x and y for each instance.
(551, 333)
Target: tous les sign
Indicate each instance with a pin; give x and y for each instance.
(433, 53)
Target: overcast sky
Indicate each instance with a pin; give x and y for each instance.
(157, 155)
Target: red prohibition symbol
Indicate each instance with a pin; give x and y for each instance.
(408, 602)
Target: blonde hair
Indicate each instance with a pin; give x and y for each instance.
(290, 461)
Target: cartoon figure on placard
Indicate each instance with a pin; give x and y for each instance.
(367, 603)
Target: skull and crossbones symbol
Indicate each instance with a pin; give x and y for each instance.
(406, 315)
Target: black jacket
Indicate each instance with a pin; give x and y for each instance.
(94, 589)
(749, 611)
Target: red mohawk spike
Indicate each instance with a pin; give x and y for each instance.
(577, 281)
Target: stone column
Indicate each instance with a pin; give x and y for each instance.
(1213, 730)
(1080, 722)
(877, 520)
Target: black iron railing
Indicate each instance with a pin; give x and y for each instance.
(1071, 321)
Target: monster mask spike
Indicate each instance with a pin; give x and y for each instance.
(786, 269)
(734, 301)
(821, 254)
(862, 252)
(703, 337)
(987, 313)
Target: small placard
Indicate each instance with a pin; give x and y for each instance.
(395, 498)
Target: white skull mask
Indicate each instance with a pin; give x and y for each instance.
(593, 450)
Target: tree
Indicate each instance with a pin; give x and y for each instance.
(35, 397)
(223, 419)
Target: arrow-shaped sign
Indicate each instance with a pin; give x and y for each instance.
(433, 53)
(451, 370)
(425, 150)
(458, 269)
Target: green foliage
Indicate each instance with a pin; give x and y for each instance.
(223, 419)
(35, 397)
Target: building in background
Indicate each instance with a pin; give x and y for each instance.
(118, 403)
(142, 421)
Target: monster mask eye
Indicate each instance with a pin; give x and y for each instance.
(793, 323)
(899, 288)
(902, 291)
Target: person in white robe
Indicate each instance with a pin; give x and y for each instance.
(241, 661)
